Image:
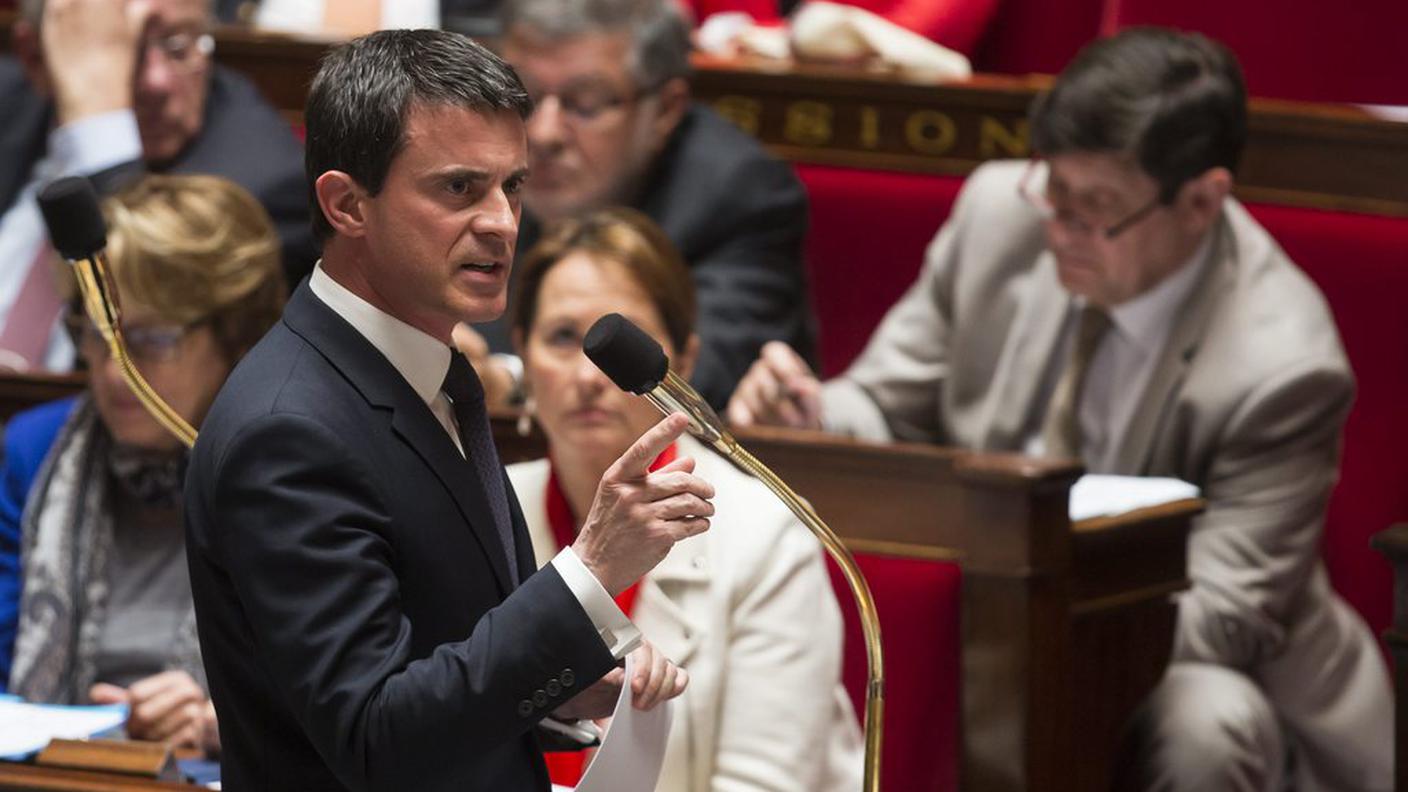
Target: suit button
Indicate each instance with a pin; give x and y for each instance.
(525, 708)
(553, 687)
(540, 698)
(568, 678)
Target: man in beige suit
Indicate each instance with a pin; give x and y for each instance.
(1112, 302)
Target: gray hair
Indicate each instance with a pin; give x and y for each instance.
(658, 31)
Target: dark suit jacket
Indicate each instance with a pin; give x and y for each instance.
(351, 592)
(242, 138)
(738, 217)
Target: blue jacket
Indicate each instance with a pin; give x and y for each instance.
(28, 438)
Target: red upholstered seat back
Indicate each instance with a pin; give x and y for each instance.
(868, 234)
(1313, 51)
(1360, 263)
(918, 602)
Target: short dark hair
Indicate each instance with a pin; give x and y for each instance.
(1174, 102)
(357, 106)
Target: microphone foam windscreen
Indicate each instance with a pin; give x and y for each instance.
(632, 359)
(70, 209)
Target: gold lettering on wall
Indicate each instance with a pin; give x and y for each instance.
(744, 112)
(930, 132)
(997, 140)
(807, 123)
(869, 127)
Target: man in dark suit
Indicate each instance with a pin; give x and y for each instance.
(364, 584)
(110, 89)
(615, 125)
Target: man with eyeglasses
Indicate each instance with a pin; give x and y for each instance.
(1111, 302)
(613, 124)
(110, 89)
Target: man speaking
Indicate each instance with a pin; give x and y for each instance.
(363, 582)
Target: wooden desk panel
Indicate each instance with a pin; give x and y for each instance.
(31, 778)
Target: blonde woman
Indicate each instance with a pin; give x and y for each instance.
(98, 604)
(746, 607)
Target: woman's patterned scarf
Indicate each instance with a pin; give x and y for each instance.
(67, 533)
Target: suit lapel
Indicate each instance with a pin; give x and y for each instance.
(1041, 316)
(1137, 441)
(383, 386)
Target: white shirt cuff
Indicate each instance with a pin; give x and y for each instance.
(96, 143)
(615, 629)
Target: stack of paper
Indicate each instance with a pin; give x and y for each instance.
(1102, 496)
(25, 729)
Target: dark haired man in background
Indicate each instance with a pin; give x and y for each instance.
(1111, 302)
(614, 124)
(364, 584)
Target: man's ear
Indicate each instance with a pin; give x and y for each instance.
(342, 201)
(1200, 200)
(29, 51)
(673, 103)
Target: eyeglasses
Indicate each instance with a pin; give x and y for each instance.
(186, 51)
(145, 343)
(1083, 222)
(588, 103)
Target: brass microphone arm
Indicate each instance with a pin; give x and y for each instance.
(101, 304)
(674, 395)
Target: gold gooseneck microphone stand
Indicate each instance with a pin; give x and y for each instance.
(70, 208)
(671, 394)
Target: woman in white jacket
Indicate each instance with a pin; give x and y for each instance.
(746, 607)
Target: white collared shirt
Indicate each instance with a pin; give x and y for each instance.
(423, 361)
(87, 146)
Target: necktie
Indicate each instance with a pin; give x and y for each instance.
(37, 306)
(1061, 430)
(467, 398)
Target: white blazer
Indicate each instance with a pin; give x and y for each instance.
(747, 608)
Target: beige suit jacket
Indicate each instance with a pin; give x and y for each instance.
(747, 608)
(1247, 401)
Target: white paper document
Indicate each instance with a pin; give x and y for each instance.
(633, 750)
(25, 729)
(1102, 496)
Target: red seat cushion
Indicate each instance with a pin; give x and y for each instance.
(1360, 263)
(918, 603)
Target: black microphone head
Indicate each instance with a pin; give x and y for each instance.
(70, 209)
(632, 359)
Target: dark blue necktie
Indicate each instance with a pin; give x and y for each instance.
(467, 398)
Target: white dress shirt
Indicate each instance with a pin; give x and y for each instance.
(423, 361)
(85, 147)
(1123, 363)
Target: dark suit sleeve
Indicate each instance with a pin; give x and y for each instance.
(302, 535)
(751, 282)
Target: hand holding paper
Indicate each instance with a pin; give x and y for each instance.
(654, 679)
